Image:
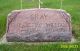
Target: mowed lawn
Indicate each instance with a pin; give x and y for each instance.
(71, 6)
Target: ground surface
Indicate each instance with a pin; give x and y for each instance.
(71, 6)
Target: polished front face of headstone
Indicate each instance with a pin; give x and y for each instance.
(35, 25)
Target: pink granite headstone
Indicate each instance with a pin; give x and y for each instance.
(39, 25)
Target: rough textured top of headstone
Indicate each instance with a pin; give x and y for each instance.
(39, 25)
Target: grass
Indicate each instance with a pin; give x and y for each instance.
(40, 47)
(71, 6)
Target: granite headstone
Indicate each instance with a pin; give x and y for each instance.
(39, 25)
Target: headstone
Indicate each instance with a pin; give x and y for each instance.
(39, 25)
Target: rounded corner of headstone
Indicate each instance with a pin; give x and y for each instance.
(65, 12)
(14, 11)
(9, 14)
